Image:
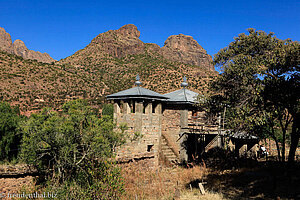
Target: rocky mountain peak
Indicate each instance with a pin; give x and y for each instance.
(129, 30)
(125, 41)
(183, 43)
(5, 41)
(186, 49)
(20, 49)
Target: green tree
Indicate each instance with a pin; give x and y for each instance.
(260, 85)
(73, 149)
(9, 136)
(108, 109)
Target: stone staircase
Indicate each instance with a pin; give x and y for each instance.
(168, 152)
(212, 142)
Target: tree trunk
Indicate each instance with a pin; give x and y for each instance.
(284, 129)
(295, 135)
(277, 146)
(283, 146)
(275, 138)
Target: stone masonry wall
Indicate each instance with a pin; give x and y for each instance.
(144, 131)
(175, 117)
(171, 125)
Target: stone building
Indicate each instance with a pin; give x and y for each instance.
(165, 128)
(141, 110)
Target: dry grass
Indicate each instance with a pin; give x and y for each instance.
(142, 182)
(195, 195)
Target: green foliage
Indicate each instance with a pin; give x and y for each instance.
(259, 84)
(107, 184)
(136, 136)
(108, 109)
(72, 149)
(9, 136)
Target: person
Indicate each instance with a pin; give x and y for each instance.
(263, 151)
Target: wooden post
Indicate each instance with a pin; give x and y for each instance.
(201, 188)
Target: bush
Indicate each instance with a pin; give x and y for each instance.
(72, 150)
(107, 184)
(9, 137)
(108, 109)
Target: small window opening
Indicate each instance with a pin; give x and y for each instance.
(132, 106)
(144, 107)
(154, 107)
(121, 107)
(150, 147)
(194, 115)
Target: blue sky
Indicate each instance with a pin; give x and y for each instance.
(60, 28)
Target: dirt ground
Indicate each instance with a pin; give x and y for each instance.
(14, 185)
(267, 181)
(14, 179)
(260, 180)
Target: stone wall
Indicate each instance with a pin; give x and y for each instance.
(143, 120)
(171, 124)
(147, 122)
(174, 120)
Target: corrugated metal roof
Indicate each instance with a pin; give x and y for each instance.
(136, 92)
(183, 95)
(244, 135)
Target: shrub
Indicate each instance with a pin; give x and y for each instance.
(72, 149)
(9, 137)
(108, 109)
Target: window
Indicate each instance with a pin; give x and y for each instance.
(121, 107)
(153, 107)
(144, 107)
(194, 115)
(132, 106)
(150, 147)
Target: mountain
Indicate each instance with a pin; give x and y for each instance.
(116, 56)
(107, 65)
(125, 41)
(185, 49)
(18, 48)
(32, 85)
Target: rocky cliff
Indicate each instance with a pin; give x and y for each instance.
(116, 56)
(185, 49)
(5, 41)
(125, 41)
(18, 48)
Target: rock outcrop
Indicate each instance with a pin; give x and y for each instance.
(185, 49)
(129, 30)
(117, 43)
(20, 49)
(5, 41)
(125, 41)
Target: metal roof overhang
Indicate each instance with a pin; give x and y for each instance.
(137, 97)
(180, 102)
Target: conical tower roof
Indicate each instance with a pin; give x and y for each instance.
(137, 92)
(182, 96)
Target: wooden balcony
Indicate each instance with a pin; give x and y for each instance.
(197, 125)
